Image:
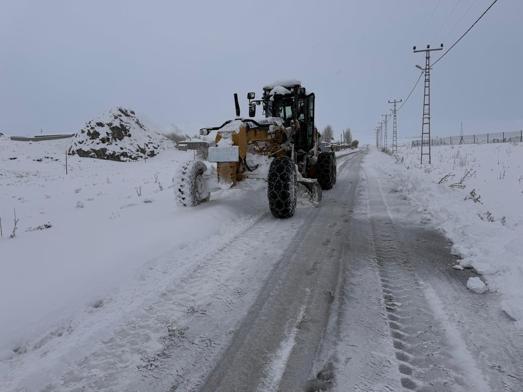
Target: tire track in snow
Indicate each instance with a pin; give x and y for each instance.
(423, 346)
(173, 336)
(305, 278)
(276, 368)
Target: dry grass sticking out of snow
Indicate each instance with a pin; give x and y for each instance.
(474, 193)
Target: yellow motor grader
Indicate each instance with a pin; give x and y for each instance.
(286, 134)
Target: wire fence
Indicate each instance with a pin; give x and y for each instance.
(482, 138)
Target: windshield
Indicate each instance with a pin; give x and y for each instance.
(285, 112)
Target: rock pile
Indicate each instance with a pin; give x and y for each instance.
(117, 135)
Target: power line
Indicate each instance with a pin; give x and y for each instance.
(465, 33)
(459, 20)
(412, 90)
(445, 53)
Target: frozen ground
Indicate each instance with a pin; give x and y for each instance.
(124, 291)
(474, 194)
(91, 247)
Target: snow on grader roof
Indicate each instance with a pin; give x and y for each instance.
(279, 90)
(290, 83)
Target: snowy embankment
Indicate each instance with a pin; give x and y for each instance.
(85, 240)
(474, 194)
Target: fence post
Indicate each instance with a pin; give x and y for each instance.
(474, 139)
(487, 138)
(503, 133)
(521, 136)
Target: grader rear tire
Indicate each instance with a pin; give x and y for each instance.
(334, 169)
(326, 170)
(191, 187)
(281, 190)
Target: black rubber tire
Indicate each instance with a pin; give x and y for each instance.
(334, 169)
(188, 188)
(326, 170)
(281, 190)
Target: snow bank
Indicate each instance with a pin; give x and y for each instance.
(474, 194)
(117, 135)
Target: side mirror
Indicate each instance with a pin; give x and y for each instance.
(252, 109)
(251, 95)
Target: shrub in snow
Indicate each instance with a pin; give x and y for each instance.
(117, 135)
(476, 284)
(175, 137)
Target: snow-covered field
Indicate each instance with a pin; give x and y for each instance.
(474, 194)
(90, 246)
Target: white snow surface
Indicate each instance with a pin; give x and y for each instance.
(106, 217)
(476, 285)
(91, 245)
(482, 215)
(280, 90)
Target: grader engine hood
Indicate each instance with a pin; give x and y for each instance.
(230, 144)
(235, 138)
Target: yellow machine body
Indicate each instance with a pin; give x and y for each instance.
(255, 140)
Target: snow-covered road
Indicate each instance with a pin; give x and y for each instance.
(366, 299)
(358, 294)
(408, 320)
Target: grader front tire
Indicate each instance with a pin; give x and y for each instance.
(191, 187)
(281, 190)
(326, 170)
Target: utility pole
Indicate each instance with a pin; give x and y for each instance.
(378, 137)
(395, 102)
(380, 144)
(425, 120)
(385, 137)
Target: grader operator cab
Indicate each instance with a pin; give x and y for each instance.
(234, 151)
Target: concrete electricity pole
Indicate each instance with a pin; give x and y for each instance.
(385, 137)
(381, 135)
(425, 120)
(395, 102)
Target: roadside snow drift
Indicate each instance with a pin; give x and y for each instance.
(474, 194)
(117, 135)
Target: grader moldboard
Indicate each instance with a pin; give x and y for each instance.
(286, 134)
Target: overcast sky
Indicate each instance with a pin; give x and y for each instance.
(179, 62)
